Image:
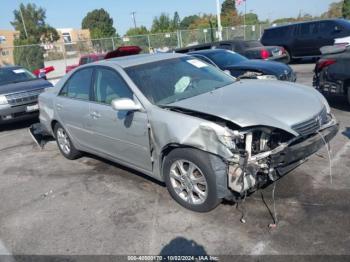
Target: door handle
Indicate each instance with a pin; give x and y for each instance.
(59, 106)
(95, 115)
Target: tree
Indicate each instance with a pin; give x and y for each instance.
(228, 7)
(346, 9)
(161, 24)
(27, 52)
(142, 30)
(176, 21)
(251, 19)
(229, 15)
(99, 23)
(188, 20)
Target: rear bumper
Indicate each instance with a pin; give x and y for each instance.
(281, 59)
(296, 153)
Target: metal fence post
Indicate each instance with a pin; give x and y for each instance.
(149, 43)
(113, 45)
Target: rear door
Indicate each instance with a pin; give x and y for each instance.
(72, 105)
(306, 41)
(122, 135)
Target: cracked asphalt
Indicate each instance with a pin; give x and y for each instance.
(53, 206)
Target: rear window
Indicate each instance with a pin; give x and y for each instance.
(252, 44)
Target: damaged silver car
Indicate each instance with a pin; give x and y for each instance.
(177, 119)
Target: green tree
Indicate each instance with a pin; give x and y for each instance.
(161, 24)
(346, 9)
(99, 23)
(27, 52)
(187, 21)
(142, 30)
(251, 19)
(227, 7)
(176, 21)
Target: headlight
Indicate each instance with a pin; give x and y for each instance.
(3, 100)
(267, 77)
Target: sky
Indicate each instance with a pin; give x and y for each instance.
(69, 13)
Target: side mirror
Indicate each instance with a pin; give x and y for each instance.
(125, 104)
(42, 75)
(337, 29)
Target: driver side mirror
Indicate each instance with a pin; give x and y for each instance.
(337, 29)
(125, 104)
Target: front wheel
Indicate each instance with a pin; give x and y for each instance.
(190, 179)
(65, 144)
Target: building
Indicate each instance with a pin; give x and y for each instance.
(67, 42)
(7, 38)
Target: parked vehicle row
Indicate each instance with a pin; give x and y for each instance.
(249, 49)
(180, 120)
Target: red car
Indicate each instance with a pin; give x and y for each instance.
(120, 51)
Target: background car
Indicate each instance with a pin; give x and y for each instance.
(332, 74)
(305, 39)
(120, 51)
(240, 66)
(250, 49)
(184, 122)
(19, 91)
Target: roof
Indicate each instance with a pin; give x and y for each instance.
(10, 67)
(133, 60)
(305, 22)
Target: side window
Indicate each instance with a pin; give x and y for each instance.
(109, 85)
(225, 46)
(78, 86)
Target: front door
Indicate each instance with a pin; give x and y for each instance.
(120, 134)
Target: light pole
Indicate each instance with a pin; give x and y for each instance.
(24, 24)
(133, 18)
(218, 11)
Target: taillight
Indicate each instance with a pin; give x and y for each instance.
(324, 63)
(264, 54)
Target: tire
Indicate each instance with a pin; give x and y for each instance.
(196, 191)
(65, 144)
(288, 58)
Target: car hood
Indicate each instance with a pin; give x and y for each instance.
(255, 102)
(24, 86)
(269, 67)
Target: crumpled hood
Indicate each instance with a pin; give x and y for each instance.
(255, 102)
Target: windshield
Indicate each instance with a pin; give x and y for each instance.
(225, 58)
(172, 80)
(15, 75)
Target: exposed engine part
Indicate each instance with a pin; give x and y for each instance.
(241, 178)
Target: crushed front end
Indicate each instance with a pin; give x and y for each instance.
(264, 154)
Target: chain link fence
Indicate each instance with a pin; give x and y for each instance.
(61, 55)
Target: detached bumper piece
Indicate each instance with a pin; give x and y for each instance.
(39, 135)
(296, 153)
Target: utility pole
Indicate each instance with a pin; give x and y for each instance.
(133, 18)
(218, 11)
(24, 24)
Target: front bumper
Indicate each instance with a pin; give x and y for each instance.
(297, 152)
(15, 113)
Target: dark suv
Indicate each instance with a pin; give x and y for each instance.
(305, 39)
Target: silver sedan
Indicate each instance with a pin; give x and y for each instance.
(177, 119)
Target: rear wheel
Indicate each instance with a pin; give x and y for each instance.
(288, 56)
(65, 144)
(190, 179)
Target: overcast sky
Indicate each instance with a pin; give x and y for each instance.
(69, 13)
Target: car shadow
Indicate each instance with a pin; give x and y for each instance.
(181, 246)
(18, 125)
(346, 132)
